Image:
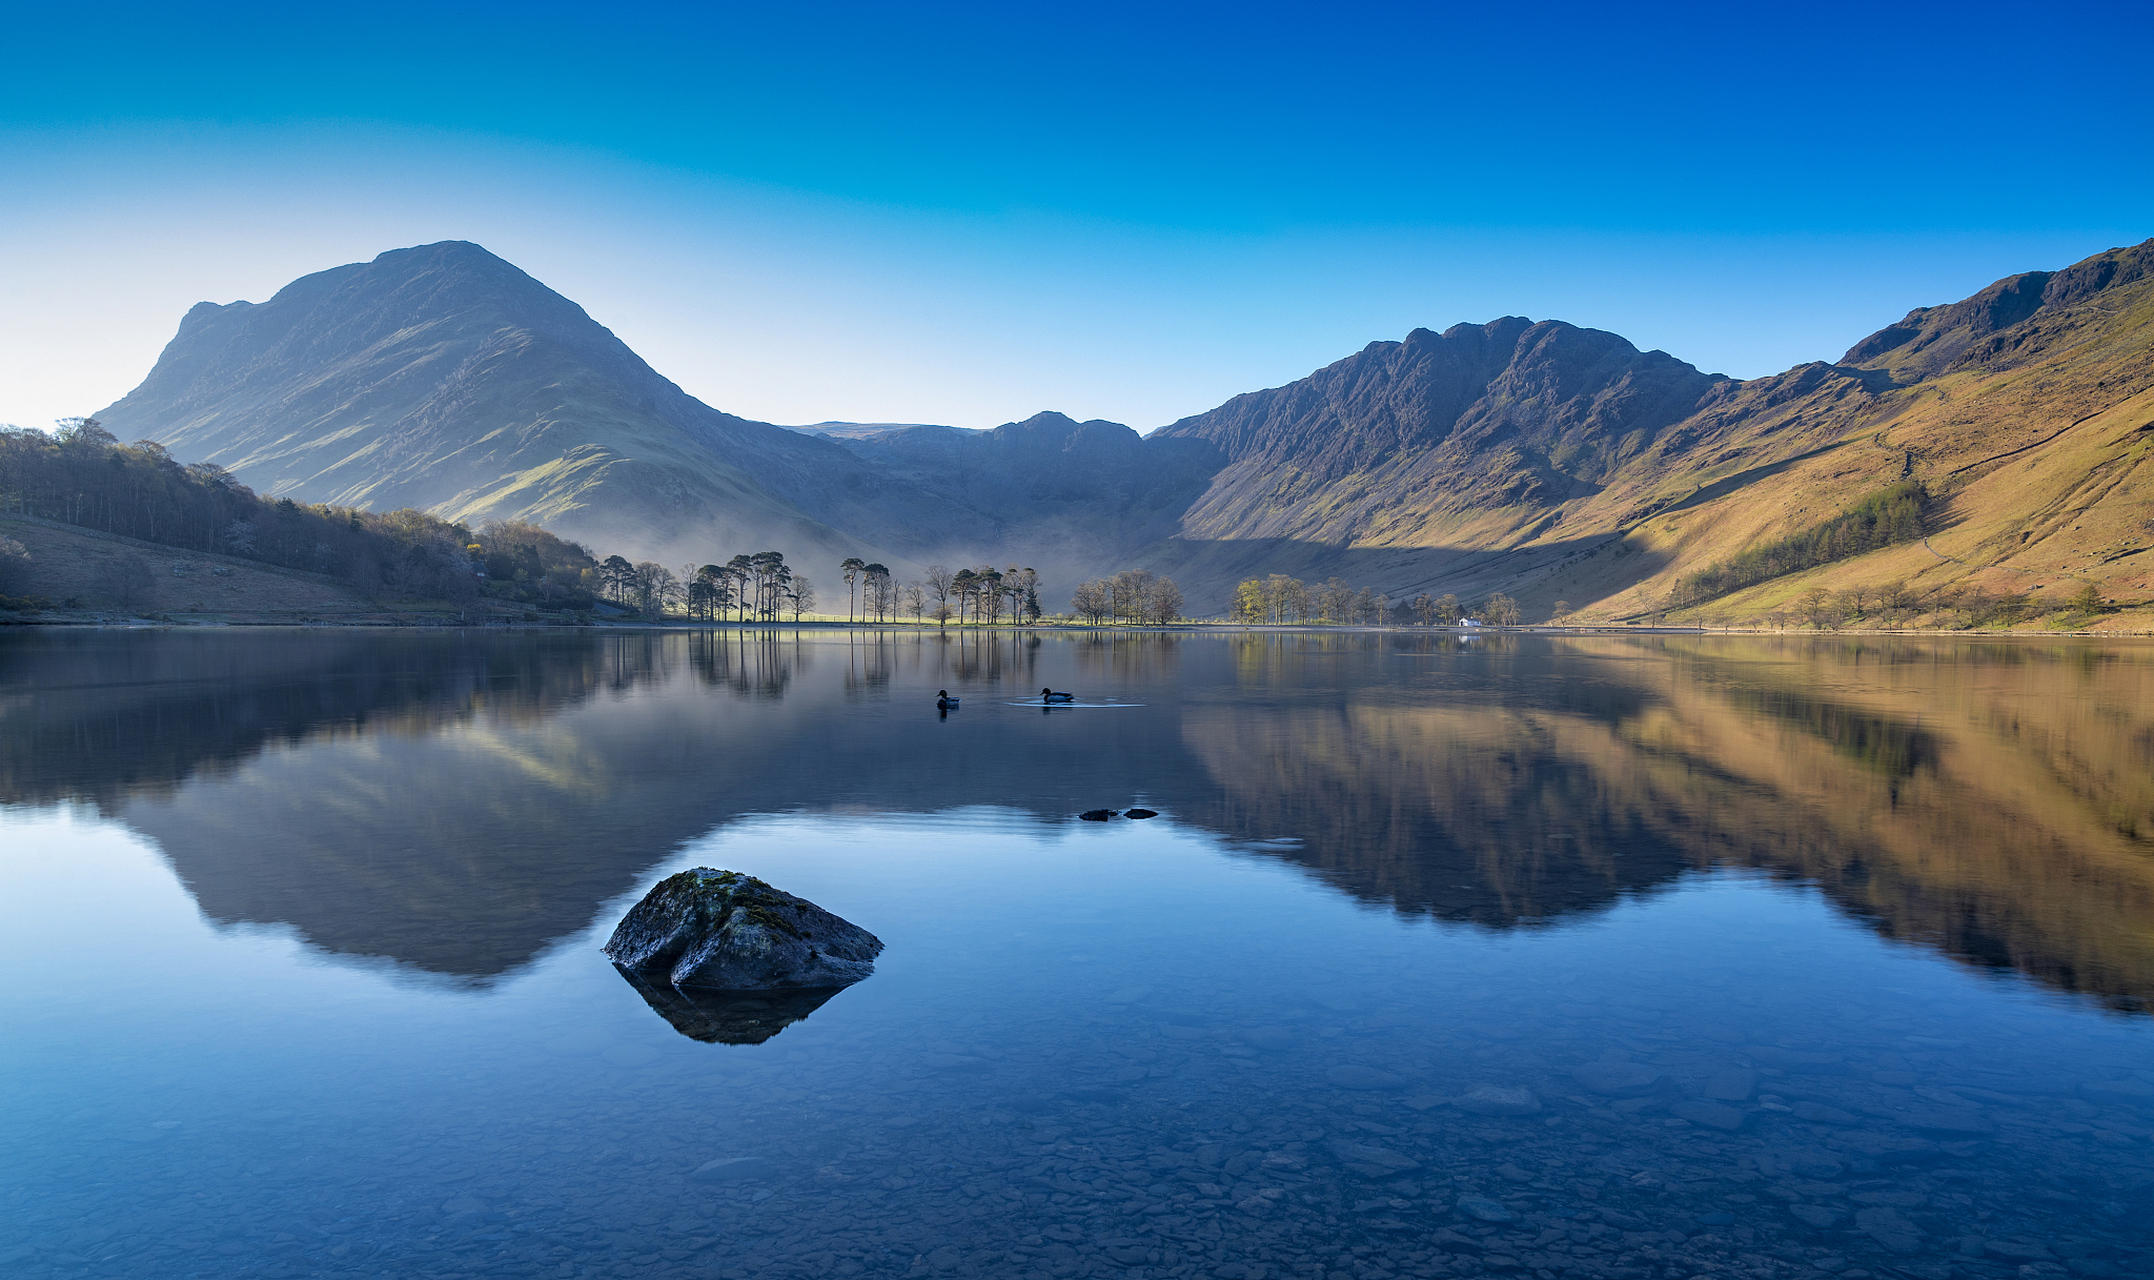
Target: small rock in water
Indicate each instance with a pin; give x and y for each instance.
(2018, 1250)
(1492, 1100)
(731, 932)
(1484, 1209)
(1140, 813)
(1969, 1123)
(1889, 1229)
(1353, 1076)
(1618, 1079)
(1371, 1162)
(1819, 1113)
(1733, 1085)
(734, 1169)
(1717, 1115)
(1099, 815)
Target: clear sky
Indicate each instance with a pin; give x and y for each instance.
(966, 214)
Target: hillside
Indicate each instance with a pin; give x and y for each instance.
(2025, 411)
(69, 566)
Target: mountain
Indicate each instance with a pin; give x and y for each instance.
(1561, 464)
(443, 378)
(1548, 461)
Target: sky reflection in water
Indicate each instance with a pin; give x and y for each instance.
(1814, 956)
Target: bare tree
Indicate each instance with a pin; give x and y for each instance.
(1163, 602)
(1092, 600)
(801, 595)
(126, 580)
(938, 582)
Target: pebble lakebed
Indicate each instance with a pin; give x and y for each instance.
(1316, 1136)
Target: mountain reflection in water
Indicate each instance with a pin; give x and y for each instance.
(457, 801)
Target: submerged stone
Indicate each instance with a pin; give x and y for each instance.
(1485, 1209)
(1099, 815)
(725, 931)
(1618, 1079)
(1494, 1100)
(1353, 1076)
(735, 1169)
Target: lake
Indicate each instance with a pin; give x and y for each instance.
(1628, 956)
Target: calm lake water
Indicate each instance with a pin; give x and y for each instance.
(1595, 956)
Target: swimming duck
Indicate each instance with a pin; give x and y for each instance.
(1049, 695)
(944, 700)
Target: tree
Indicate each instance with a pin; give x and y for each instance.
(14, 566)
(1163, 602)
(1500, 611)
(851, 567)
(802, 595)
(125, 580)
(654, 589)
(938, 582)
(619, 577)
(1092, 600)
(2088, 599)
(878, 583)
(742, 572)
(1025, 593)
(771, 577)
(1290, 598)
(1816, 608)
(1560, 612)
(1425, 609)
(962, 586)
(914, 597)
(1447, 610)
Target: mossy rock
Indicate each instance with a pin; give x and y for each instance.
(724, 931)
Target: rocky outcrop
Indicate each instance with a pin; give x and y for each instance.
(724, 931)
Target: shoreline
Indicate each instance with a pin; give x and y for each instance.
(415, 620)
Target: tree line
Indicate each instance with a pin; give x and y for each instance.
(80, 474)
(1279, 599)
(1133, 595)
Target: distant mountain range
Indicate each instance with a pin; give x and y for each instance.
(1537, 458)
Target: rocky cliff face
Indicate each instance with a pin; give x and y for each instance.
(1482, 426)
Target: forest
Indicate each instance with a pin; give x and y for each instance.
(80, 474)
(1882, 518)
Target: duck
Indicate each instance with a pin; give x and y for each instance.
(1049, 695)
(944, 700)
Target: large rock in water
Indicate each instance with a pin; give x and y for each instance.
(725, 931)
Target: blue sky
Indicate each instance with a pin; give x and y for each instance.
(966, 214)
